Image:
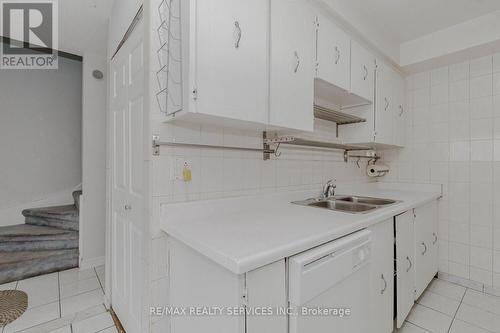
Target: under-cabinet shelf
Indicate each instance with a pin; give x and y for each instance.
(340, 118)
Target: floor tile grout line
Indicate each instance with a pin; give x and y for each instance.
(477, 307)
(428, 307)
(458, 308)
(418, 326)
(98, 280)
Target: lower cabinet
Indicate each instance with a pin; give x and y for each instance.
(405, 266)
(426, 246)
(382, 277)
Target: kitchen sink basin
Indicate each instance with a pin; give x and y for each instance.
(342, 206)
(347, 203)
(366, 200)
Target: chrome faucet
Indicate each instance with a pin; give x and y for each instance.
(329, 189)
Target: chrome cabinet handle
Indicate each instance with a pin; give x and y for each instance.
(337, 55)
(401, 110)
(435, 238)
(386, 103)
(366, 73)
(298, 62)
(409, 267)
(128, 207)
(385, 284)
(425, 248)
(238, 34)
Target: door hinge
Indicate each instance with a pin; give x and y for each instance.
(195, 93)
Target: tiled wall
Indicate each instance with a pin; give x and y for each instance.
(453, 138)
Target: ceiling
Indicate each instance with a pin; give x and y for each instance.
(404, 20)
(83, 26)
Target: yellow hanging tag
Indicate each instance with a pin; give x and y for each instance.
(186, 173)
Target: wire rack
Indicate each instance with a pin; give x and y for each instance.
(169, 54)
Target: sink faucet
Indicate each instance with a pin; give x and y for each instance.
(329, 189)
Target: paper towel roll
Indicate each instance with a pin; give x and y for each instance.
(377, 170)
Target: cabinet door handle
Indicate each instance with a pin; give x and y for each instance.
(298, 62)
(337, 55)
(366, 73)
(385, 284)
(435, 238)
(128, 207)
(425, 248)
(386, 103)
(238, 34)
(409, 267)
(401, 110)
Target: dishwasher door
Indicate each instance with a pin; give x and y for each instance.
(329, 287)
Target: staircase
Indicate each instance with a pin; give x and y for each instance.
(47, 242)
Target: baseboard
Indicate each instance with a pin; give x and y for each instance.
(469, 283)
(92, 262)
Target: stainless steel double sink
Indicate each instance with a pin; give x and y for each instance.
(347, 203)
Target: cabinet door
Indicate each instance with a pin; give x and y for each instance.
(332, 53)
(292, 64)
(399, 111)
(426, 246)
(385, 104)
(232, 59)
(362, 72)
(405, 267)
(382, 277)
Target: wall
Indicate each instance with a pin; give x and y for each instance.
(93, 203)
(454, 139)
(40, 138)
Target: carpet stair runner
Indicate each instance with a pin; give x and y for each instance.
(47, 242)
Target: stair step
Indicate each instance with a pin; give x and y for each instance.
(21, 265)
(25, 237)
(63, 217)
(76, 198)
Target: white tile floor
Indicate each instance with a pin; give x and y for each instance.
(65, 302)
(449, 308)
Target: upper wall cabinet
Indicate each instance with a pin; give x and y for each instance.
(292, 65)
(223, 52)
(231, 58)
(333, 54)
(362, 72)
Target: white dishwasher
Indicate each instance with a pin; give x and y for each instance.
(329, 287)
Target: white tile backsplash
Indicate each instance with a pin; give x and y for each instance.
(454, 140)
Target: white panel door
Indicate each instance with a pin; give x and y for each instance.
(405, 266)
(292, 64)
(232, 50)
(384, 113)
(382, 277)
(362, 72)
(128, 222)
(333, 53)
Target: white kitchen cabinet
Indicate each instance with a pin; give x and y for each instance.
(385, 104)
(196, 281)
(333, 53)
(426, 246)
(362, 72)
(382, 277)
(292, 65)
(399, 109)
(224, 62)
(385, 124)
(405, 266)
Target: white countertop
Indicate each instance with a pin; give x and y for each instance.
(246, 233)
